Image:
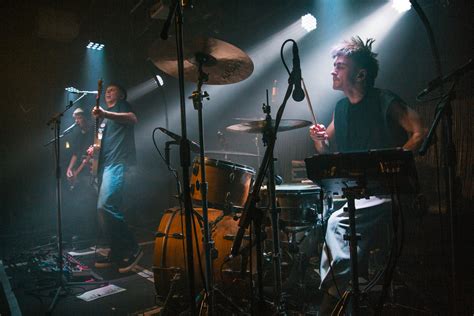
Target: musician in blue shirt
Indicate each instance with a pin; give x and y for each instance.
(117, 153)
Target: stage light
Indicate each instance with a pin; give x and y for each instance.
(401, 5)
(308, 22)
(71, 89)
(95, 46)
(144, 88)
(160, 80)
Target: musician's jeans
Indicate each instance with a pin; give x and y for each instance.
(111, 219)
(372, 222)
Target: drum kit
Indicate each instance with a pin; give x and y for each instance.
(220, 199)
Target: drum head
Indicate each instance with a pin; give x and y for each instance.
(295, 188)
(225, 164)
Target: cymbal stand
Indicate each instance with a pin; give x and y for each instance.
(268, 133)
(197, 96)
(176, 11)
(250, 209)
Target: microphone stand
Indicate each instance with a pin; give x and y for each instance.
(176, 10)
(70, 104)
(61, 284)
(251, 212)
(449, 155)
(64, 133)
(270, 133)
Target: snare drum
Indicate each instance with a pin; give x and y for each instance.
(298, 203)
(228, 183)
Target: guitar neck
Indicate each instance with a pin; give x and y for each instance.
(97, 135)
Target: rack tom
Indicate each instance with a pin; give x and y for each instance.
(228, 183)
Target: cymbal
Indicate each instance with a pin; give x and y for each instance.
(231, 153)
(223, 62)
(259, 126)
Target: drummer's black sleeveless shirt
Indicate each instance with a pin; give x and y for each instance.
(367, 124)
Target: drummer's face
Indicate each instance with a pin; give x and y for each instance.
(343, 73)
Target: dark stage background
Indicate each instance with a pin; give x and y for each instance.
(43, 51)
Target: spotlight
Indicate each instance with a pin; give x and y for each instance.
(159, 80)
(401, 5)
(95, 46)
(308, 22)
(71, 89)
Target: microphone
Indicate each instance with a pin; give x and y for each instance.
(167, 151)
(69, 129)
(298, 93)
(435, 83)
(193, 146)
(75, 91)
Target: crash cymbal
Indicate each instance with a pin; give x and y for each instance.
(259, 126)
(223, 62)
(231, 153)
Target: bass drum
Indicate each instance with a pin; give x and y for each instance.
(169, 265)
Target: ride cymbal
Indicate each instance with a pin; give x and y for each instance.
(223, 62)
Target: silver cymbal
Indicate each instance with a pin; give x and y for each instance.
(259, 126)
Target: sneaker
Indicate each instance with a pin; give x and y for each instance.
(104, 262)
(128, 263)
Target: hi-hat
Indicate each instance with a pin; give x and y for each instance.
(231, 153)
(259, 126)
(223, 62)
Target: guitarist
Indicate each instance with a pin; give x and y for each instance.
(80, 219)
(79, 144)
(117, 152)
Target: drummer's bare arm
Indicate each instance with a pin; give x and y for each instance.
(323, 137)
(410, 121)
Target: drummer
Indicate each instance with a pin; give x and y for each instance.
(367, 118)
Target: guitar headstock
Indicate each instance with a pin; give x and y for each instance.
(99, 92)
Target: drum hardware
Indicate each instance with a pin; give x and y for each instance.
(174, 235)
(251, 213)
(197, 96)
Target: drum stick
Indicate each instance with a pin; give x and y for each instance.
(315, 121)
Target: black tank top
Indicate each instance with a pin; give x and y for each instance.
(368, 124)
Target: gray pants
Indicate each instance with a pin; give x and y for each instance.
(372, 219)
